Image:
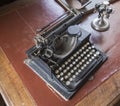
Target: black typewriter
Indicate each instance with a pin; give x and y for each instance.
(63, 56)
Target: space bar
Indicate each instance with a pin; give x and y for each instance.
(90, 68)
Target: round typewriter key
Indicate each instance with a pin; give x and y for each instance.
(75, 68)
(73, 62)
(77, 65)
(84, 52)
(69, 74)
(91, 53)
(79, 71)
(60, 68)
(80, 63)
(61, 74)
(66, 77)
(88, 55)
(88, 43)
(92, 57)
(93, 46)
(76, 60)
(97, 52)
(76, 73)
(93, 50)
(85, 65)
(64, 70)
(82, 67)
(89, 48)
(95, 55)
(71, 79)
(90, 60)
(80, 50)
(85, 58)
(63, 66)
(72, 71)
(71, 65)
(74, 76)
(56, 71)
(82, 55)
(68, 83)
(83, 48)
(68, 68)
(66, 63)
(58, 76)
(77, 53)
(61, 79)
(69, 60)
(87, 62)
(72, 57)
(79, 57)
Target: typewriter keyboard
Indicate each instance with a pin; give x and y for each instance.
(77, 65)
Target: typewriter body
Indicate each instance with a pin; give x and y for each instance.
(63, 56)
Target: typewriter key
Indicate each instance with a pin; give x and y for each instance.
(69, 74)
(79, 57)
(58, 76)
(93, 57)
(85, 58)
(76, 60)
(88, 55)
(56, 71)
(76, 73)
(73, 62)
(64, 70)
(60, 68)
(61, 79)
(63, 66)
(71, 65)
(77, 65)
(71, 57)
(75, 55)
(89, 48)
(87, 62)
(66, 77)
(69, 60)
(82, 55)
(71, 79)
(68, 83)
(61, 74)
(66, 63)
(68, 68)
(75, 68)
(90, 60)
(80, 63)
(93, 46)
(79, 71)
(74, 76)
(97, 52)
(72, 71)
(93, 50)
(82, 67)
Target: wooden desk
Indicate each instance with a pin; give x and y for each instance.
(17, 30)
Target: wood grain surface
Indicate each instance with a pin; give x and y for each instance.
(11, 86)
(105, 94)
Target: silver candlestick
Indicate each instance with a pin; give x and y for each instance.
(101, 23)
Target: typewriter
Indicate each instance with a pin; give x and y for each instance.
(63, 57)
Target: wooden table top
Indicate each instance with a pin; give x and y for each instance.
(17, 30)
